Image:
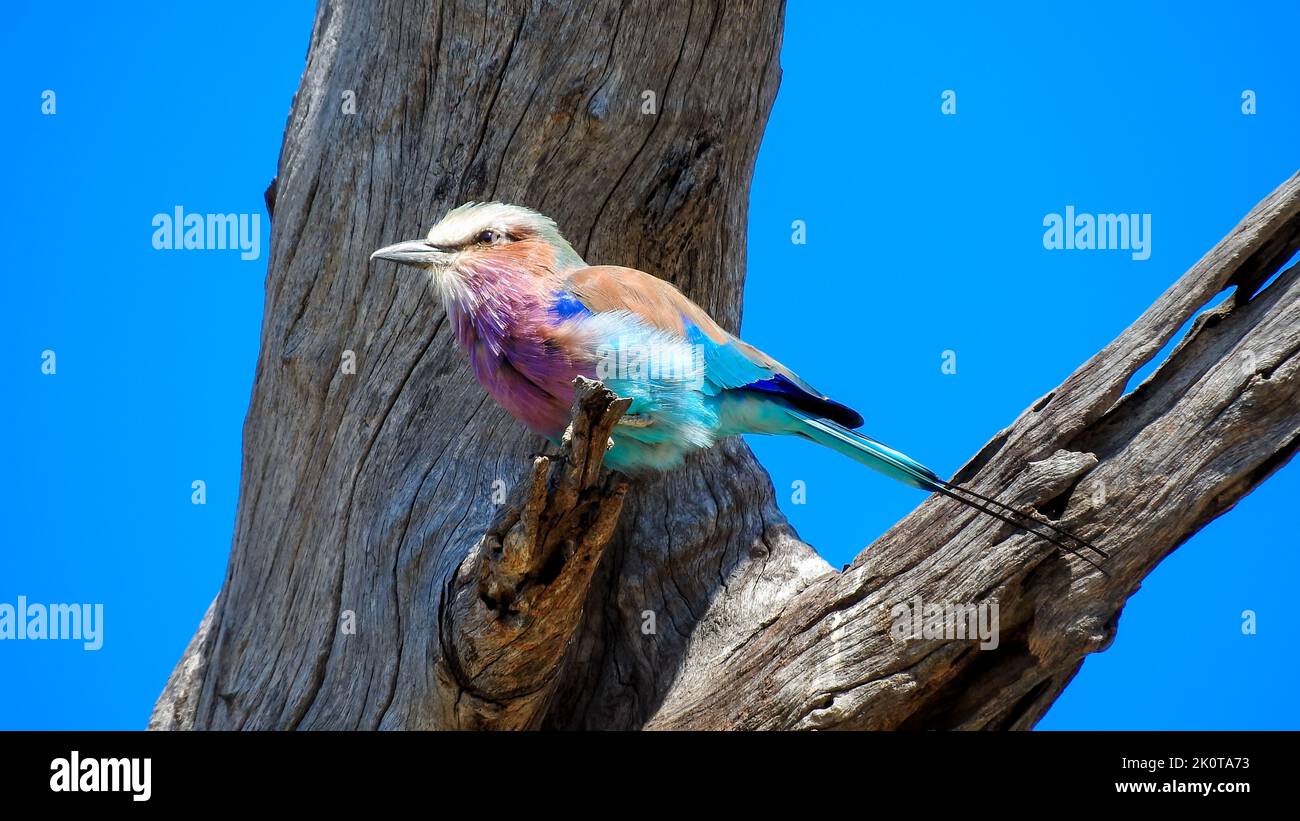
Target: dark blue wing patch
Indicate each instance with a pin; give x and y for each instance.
(822, 406)
(567, 306)
(729, 369)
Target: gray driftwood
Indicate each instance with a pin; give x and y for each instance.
(366, 496)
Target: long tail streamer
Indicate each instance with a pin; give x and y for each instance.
(903, 468)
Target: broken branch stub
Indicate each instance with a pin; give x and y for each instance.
(518, 597)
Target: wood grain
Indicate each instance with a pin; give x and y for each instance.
(368, 495)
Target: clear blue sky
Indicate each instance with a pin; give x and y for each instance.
(924, 235)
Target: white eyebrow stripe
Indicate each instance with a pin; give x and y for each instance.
(463, 224)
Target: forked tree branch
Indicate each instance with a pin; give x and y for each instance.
(362, 591)
(1136, 474)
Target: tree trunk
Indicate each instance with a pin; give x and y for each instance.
(373, 500)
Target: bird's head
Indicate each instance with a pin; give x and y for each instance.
(486, 246)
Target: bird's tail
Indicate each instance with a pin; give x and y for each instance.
(907, 470)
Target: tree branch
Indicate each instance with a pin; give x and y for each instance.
(361, 590)
(1136, 474)
(513, 606)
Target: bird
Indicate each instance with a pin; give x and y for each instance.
(532, 316)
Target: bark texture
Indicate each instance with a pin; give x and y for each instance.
(368, 498)
(511, 610)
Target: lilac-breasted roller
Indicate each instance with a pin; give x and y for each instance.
(532, 316)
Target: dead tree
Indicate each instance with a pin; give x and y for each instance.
(367, 498)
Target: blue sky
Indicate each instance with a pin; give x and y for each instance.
(924, 234)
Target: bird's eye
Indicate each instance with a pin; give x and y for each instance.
(486, 237)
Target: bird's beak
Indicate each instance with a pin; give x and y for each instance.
(414, 252)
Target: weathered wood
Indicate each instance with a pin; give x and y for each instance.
(517, 598)
(369, 494)
(363, 493)
(1136, 473)
(178, 704)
